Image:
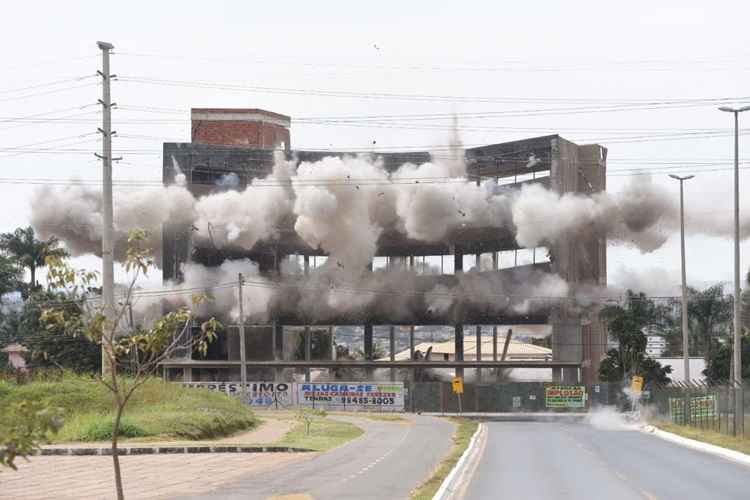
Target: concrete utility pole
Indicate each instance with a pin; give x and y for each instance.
(243, 356)
(685, 341)
(739, 413)
(108, 273)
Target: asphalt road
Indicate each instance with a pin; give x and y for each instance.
(387, 462)
(545, 460)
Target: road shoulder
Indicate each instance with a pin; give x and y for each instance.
(726, 453)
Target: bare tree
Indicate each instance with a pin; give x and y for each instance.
(134, 353)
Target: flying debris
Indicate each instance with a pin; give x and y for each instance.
(533, 161)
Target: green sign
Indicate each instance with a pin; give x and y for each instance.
(699, 407)
(565, 396)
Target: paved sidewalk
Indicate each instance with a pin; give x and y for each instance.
(144, 477)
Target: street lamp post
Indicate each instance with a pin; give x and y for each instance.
(685, 344)
(739, 414)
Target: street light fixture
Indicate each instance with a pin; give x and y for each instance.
(739, 411)
(685, 344)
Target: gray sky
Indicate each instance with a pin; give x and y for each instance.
(577, 50)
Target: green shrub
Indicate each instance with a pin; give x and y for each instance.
(101, 430)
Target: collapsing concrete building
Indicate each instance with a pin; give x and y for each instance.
(231, 147)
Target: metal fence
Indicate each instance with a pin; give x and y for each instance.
(710, 407)
(438, 397)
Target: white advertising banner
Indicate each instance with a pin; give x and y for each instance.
(349, 396)
(257, 393)
(370, 396)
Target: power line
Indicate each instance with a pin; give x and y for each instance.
(419, 97)
(45, 84)
(508, 65)
(48, 92)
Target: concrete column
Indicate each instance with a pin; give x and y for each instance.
(458, 340)
(279, 372)
(187, 374)
(277, 259)
(494, 261)
(392, 345)
(458, 261)
(479, 351)
(368, 347)
(307, 264)
(494, 343)
(279, 338)
(411, 351)
(478, 263)
(368, 342)
(332, 336)
(308, 351)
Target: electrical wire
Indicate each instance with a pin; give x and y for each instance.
(46, 84)
(423, 97)
(47, 92)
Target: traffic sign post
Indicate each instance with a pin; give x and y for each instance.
(458, 388)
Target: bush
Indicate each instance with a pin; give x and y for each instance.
(101, 430)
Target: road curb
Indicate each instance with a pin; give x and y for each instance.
(165, 450)
(726, 453)
(447, 488)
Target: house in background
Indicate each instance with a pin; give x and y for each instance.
(517, 351)
(15, 353)
(655, 346)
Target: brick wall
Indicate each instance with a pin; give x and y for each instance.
(240, 133)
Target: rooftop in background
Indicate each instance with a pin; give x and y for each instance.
(238, 114)
(516, 350)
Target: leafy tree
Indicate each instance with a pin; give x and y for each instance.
(23, 427)
(10, 276)
(709, 313)
(709, 318)
(717, 369)
(626, 324)
(542, 341)
(320, 344)
(47, 347)
(30, 252)
(140, 351)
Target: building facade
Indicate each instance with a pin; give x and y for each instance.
(243, 143)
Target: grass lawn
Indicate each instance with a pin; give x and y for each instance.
(464, 431)
(156, 409)
(707, 436)
(325, 434)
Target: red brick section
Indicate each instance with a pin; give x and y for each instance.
(236, 133)
(255, 133)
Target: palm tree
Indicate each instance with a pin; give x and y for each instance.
(30, 252)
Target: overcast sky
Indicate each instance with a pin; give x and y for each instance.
(596, 51)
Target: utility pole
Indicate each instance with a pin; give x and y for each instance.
(108, 273)
(243, 360)
(685, 340)
(739, 412)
